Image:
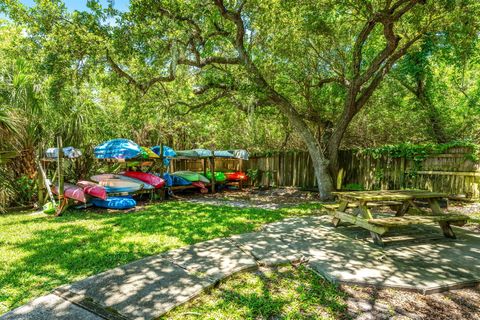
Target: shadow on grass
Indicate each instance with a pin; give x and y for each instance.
(282, 292)
(43, 252)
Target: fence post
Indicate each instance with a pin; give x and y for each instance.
(162, 171)
(402, 173)
(212, 170)
(40, 181)
(60, 175)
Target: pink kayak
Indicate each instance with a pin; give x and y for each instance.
(201, 185)
(149, 178)
(71, 191)
(93, 189)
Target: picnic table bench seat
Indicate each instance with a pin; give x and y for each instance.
(418, 220)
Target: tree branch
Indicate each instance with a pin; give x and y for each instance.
(207, 87)
(200, 63)
(202, 104)
(144, 87)
(386, 17)
(368, 91)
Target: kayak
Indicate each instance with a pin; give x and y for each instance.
(71, 191)
(101, 177)
(149, 178)
(219, 176)
(68, 152)
(179, 181)
(147, 153)
(168, 179)
(93, 189)
(201, 185)
(195, 153)
(117, 149)
(115, 203)
(144, 185)
(167, 153)
(223, 154)
(191, 176)
(120, 185)
(236, 176)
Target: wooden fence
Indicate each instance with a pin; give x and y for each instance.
(451, 172)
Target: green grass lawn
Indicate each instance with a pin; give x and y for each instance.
(283, 292)
(40, 252)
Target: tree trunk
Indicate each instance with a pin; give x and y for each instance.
(319, 161)
(333, 143)
(322, 174)
(433, 116)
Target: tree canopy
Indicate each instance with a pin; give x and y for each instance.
(260, 75)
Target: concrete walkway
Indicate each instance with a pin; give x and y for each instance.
(150, 287)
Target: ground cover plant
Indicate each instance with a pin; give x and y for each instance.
(39, 252)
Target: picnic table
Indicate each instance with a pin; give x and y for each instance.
(403, 200)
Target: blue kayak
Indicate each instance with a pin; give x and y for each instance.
(167, 153)
(168, 179)
(179, 181)
(117, 149)
(115, 202)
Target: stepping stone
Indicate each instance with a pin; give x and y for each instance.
(49, 307)
(215, 259)
(144, 289)
(267, 248)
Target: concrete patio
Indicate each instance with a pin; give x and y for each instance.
(150, 287)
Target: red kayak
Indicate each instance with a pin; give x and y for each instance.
(149, 178)
(71, 191)
(236, 176)
(201, 185)
(93, 189)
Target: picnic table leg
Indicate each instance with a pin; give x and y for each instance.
(366, 214)
(342, 207)
(403, 209)
(445, 225)
(447, 230)
(377, 239)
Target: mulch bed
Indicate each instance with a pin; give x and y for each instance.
(372, 303)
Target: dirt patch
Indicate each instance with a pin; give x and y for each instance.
(258, 198)
(469, 209)
(371, 303)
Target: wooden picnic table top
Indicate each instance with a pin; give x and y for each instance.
(387, 195)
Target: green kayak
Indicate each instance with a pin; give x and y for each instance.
(191, 176)
(219, 176)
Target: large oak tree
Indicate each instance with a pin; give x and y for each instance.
(317, 62)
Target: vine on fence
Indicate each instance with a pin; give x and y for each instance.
(419, 152)
(409, 151)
